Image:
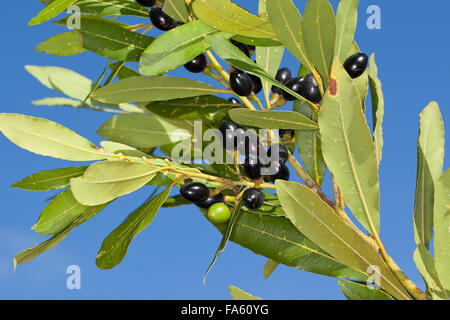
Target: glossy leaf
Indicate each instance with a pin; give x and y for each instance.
(288, 26)
(189, 108)
(272, 119)
(112, 8)
(239, 294)
(377, 107)
(123, 71)
(47, 138)
(50, 11)
(142, 131)
(154, 88)
(269, 268)
(50, 179)
(115, 246)
(62, 211)
(63, 44)
(104, 181)
(229, 17)
(346, 19)
(318, 221)
(353, 290)
(430, 163)
(177, 10)
(277, 239)
(441, 229)
(175, 48)
(349, 150)
(319, 29)
(110, 38)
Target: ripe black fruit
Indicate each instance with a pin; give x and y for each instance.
(252, 167)
(356, 64)
(243, 47)
(256, 82)
(146, 3)
(230, 131)
(296, 85)
(283, 76)
(241, 83)
(283, 152)
(195, 192)
(286, 133)
(311, 89)
(197, 65)
(205, 204)
(161, 20)
(281, 172)
(253, 198)
(234, 100)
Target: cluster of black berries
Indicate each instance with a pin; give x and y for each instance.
(253, 150)
(164, 22)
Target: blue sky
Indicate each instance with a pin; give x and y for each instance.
(168, 260)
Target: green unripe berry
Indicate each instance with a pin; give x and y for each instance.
(219, 213)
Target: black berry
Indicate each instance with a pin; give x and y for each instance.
(230, 131)
(243, 47)
(283, 76)
(283, 152)
(253, 198)
(356, 65)
(252, 167)
(256, 82)
(197, 65)
(234, 100)
(241, 83)
(286, 133)
(146, 3)
(161, 20)
(281, 172)
(295, 84)
(311, 89)
(195, 192)
(205, 204)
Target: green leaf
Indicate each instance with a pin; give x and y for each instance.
(425, 264)
(122, 71)
(277, 239)
(177, 10)
(154, 88)
(35, 251)
(269, 268)
(226, 236)
(112, 8)
(62, 211)
(175, 48)
(362, 82)
(239, 294)
(110, 38)
(269, 59)
(358, 291)
(288, 26)
(377, 107)
(231, 54)
(47, 138)
(50, 179)
(115, 246)
(349, 150)
(176, 201)
(51, 11)
(309, 145)
(346, 19)
(229, 17)
(104, 181)
(442, 228)
(63, 44)
(318, 221)
(272, 119)
(319, 29)
(66, 102)
(142, 131)
(189, 108)
(430, 163)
